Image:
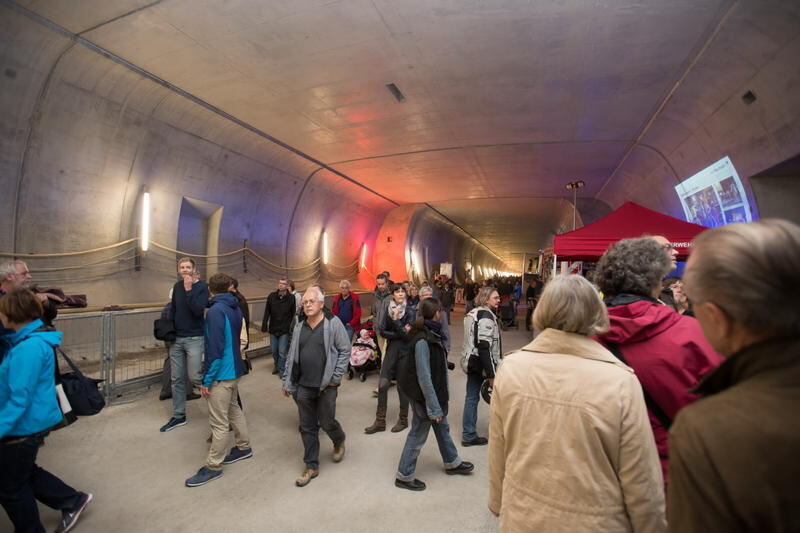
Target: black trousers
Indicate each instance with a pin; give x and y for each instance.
(317, 410)
(22, 482)
(388, 370)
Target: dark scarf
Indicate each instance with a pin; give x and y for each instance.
(625, 299)
(434, 326)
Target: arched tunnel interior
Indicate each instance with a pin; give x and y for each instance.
(257, 127)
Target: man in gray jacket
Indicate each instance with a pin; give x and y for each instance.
(379, 305)
(316, 362)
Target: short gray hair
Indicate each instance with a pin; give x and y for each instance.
(8, 268)
(346, 283)
(425, 290)
(571, 303)
(750, 271)
(632, 266)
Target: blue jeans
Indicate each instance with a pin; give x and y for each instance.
(420, 425)
(279, 345)
(471, 400)
(186, 359)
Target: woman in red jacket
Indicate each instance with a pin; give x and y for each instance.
(667, 350)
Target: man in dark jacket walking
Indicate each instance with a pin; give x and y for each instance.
(189, 300)
(734, 453)
(278, 315)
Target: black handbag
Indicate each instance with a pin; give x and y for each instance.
(81, 391)
(164, 329)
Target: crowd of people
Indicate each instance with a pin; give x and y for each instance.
(643, 403)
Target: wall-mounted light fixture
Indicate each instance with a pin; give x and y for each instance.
(144, 237)
(364, 255)
(324, 247)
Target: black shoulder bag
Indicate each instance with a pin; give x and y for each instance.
(81, 391)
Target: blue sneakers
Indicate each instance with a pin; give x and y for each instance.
(237, 455)
(173, 423)
(203, 476)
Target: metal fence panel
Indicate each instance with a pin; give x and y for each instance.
(135, 353)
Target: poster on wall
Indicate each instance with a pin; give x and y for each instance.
(714, 196)
(446, 269)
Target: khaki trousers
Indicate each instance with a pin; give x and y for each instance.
(224, 413)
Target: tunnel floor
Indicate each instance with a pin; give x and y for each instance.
(136, 473)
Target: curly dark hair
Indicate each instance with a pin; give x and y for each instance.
(632, 266)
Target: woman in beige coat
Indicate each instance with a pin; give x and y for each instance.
(570, 446)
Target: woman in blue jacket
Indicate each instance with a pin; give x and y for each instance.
(28, 410)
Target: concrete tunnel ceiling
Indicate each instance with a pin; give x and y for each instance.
(504, 102)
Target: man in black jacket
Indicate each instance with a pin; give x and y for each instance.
(189, 300)
(278, 315)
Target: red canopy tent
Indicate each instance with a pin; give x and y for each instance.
(630, 220)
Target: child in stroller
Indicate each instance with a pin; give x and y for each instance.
(365, 354)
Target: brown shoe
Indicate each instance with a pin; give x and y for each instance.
(338, 452)
(379, 424)
(307, 475)
(402, 421)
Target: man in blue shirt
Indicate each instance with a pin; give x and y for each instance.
(223, 367)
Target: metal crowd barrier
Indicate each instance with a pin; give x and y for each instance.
(119, 348)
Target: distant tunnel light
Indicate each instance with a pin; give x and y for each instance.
(324, 247)
(144, 242)
(364, 255)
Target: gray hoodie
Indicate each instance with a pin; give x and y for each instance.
(337, 346)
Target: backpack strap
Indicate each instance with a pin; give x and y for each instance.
(652, 405)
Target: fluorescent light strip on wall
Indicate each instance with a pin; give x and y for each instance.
(144, 242)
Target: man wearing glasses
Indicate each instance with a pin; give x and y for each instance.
(668, 248)
(317, 360)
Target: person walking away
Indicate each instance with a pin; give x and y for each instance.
(223, 368)
(734, 461)
(667, 351)
(423, 378)
(470, 292)
(481, 354)
(318, 358)
(29, 409)
(565, 398)
(279, 312)
(396, 323)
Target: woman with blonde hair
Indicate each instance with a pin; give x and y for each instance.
(482, 351)
(570, 446)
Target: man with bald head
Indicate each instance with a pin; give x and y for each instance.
(735, 454)
(668, 249)
(317, 360)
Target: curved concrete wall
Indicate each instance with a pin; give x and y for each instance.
(90, 134)
(706, 119)
(415, 239)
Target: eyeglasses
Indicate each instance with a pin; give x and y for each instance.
(667, 246)
(309, 302)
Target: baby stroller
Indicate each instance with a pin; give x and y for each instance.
(508, 314)
(365, 354)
